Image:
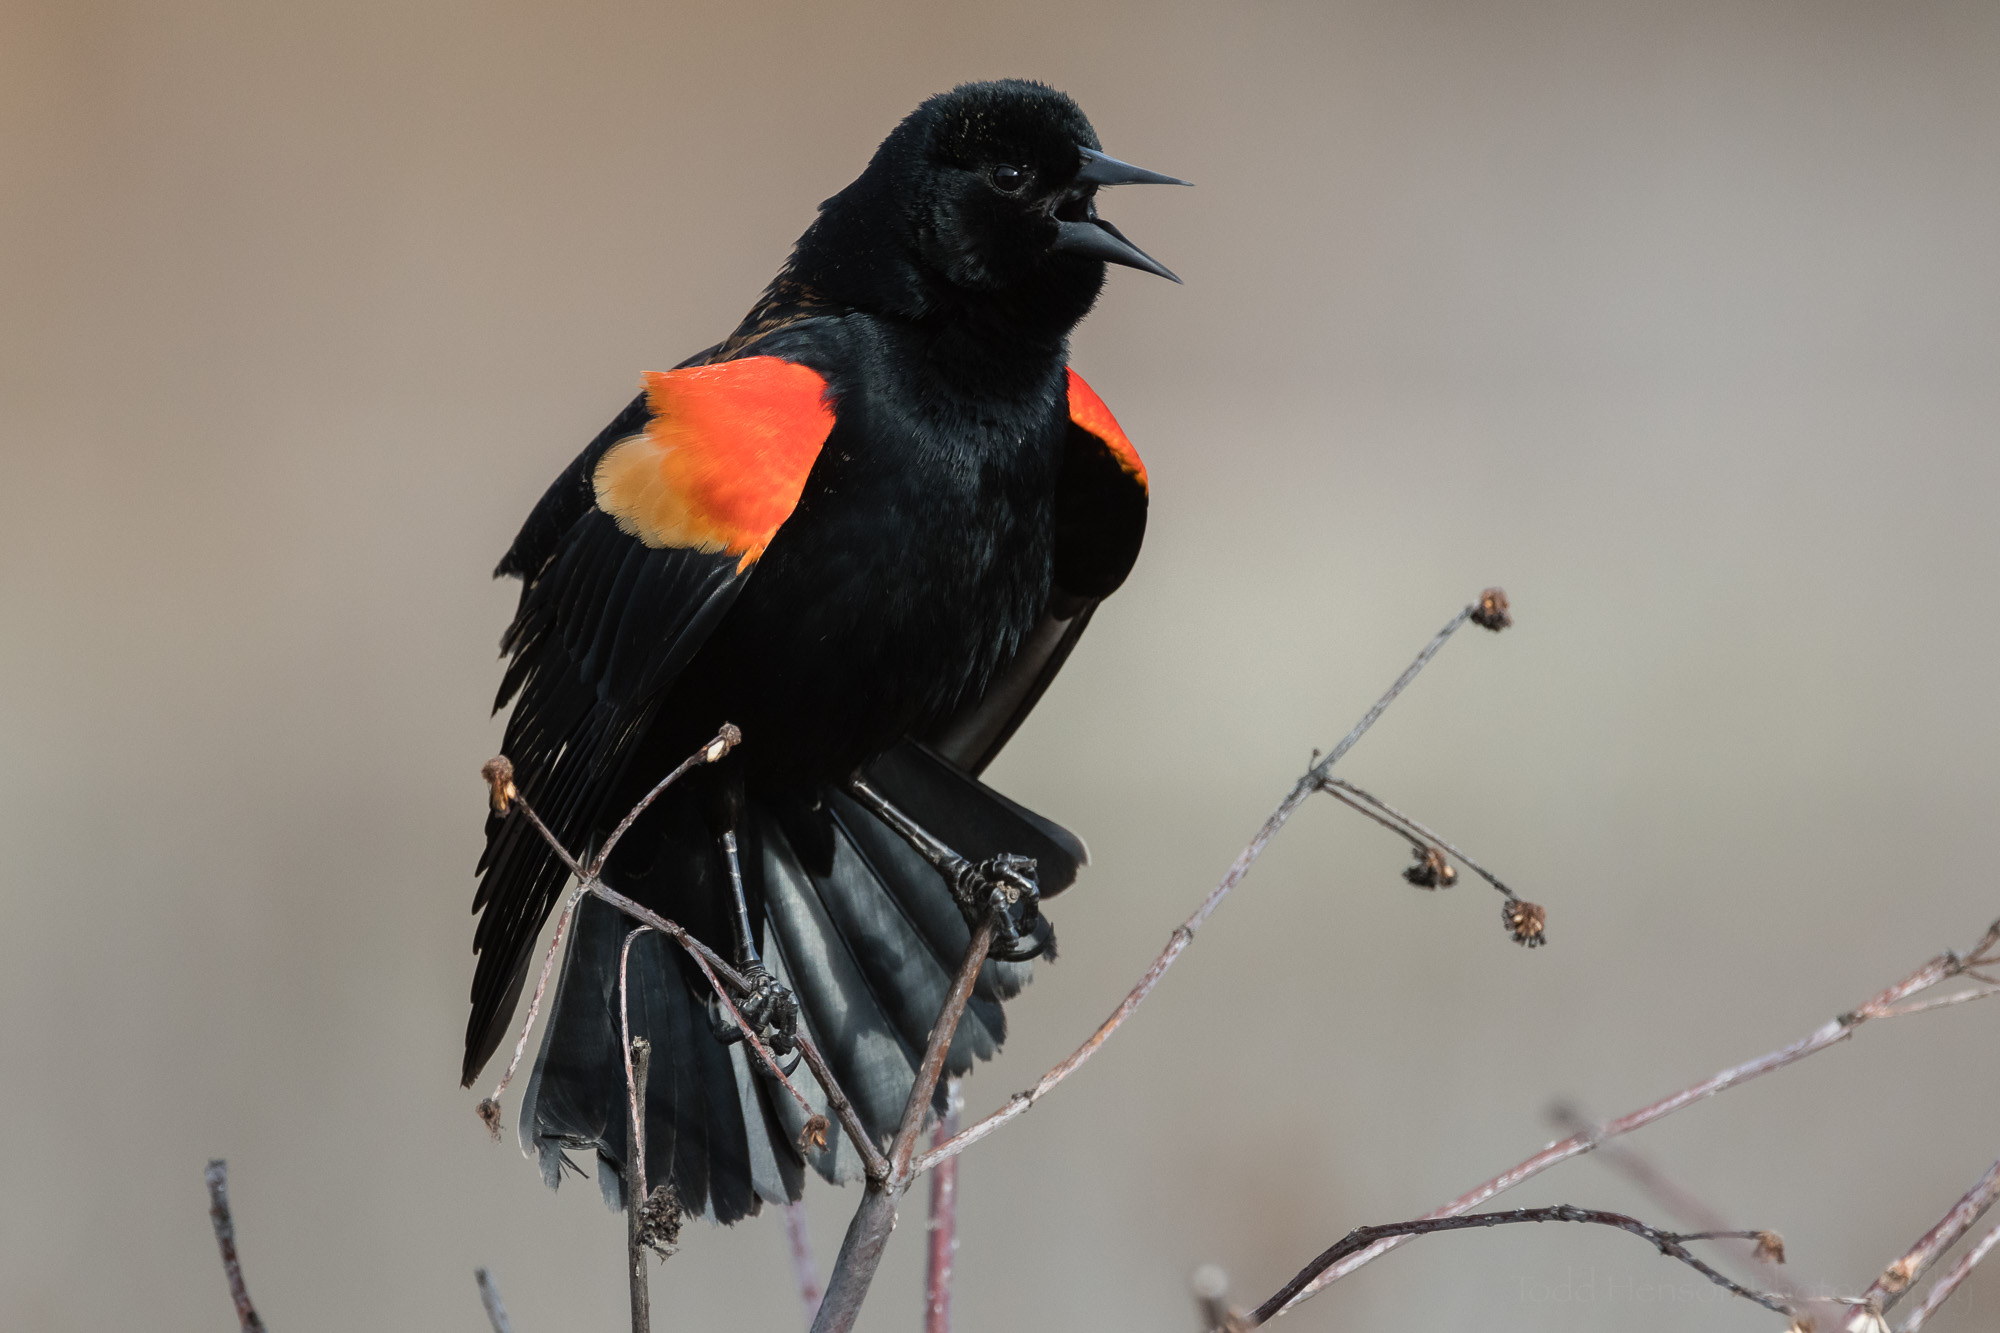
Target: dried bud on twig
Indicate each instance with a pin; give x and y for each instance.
(489, 1112)
(725, 740)
(1431, 871)
(1897, 1276)
(660, 1222)
(1524, 921)
(1492, 613)
(1770, 1247)
(1805, 1323)
(812, 1137)
(1211, 1299)
(499, 774)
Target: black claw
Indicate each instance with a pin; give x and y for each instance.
(770, 1010)
(1006, 886)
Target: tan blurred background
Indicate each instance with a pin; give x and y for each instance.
(1681, 322)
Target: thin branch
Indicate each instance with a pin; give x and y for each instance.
(1183, 934)
(1942, 1002)
(217, 1176)
(637, 1055)
(942, 1228)
(638, 1059)
(868, 1233)
(489, 1110)
(1678, 1203)
(1210, 1286)
(1898, 1277)
(813, 1135)
(1667, 1243)
(489, 1296)
(712, 964)
(1942, 1290)
(1831, 1033)
(799, 1239)
(873, 1164)
(1418, 835)
(673, 930)
(724, 741)
(575, 868)
(931, 1069)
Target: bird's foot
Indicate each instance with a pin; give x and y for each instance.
(1007, 887)
(769, 1009)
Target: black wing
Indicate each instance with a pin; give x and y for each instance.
(1100, 520)
(604, 626)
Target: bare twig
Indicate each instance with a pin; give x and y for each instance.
(1666, 1242)
(812, 1137)
(868, 1233)
(1418, 835)
(1898, 1277)
(1184, 933)
(1678, 1203)
(217, 1176)
(725, 740)
(873, 1164)
(803, 1267)
(672, 930)
(1211, 1301)
(1760, 1247)
(489, 1296)
(638, 1059)
(489, 1110)
(942, 1229)
(1941, 1002)
(1830, 1033)
(1942, 1290)
(555, 843)
(637, 1055)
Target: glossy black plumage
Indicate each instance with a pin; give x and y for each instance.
(954, 534)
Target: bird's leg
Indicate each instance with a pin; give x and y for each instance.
(1005, 885)
(771, 1010)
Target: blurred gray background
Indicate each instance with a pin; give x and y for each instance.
(1681, 322)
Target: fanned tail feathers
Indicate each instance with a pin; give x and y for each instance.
(855, 923)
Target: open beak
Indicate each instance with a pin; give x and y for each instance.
(1097, 238)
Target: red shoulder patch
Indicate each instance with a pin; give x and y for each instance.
(722, 462)
(1087, 410)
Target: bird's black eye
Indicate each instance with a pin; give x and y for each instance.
(1008, 179)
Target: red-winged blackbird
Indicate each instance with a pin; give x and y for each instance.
(867, 529)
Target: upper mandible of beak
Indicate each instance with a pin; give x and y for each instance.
(1096, 237)
(1100, 169)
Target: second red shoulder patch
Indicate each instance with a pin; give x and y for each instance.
(1088, 411)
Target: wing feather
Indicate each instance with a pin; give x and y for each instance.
(1100, 521)
(613, 608)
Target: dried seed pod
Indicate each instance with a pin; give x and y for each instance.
(1431, 871)
(499, 774)
(1525, 921)
(1492, 612)
(660, 1221)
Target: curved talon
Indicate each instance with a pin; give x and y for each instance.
(1022, 938)
(771, 1011)
(1006, 886)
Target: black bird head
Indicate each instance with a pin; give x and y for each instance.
(986, 194)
